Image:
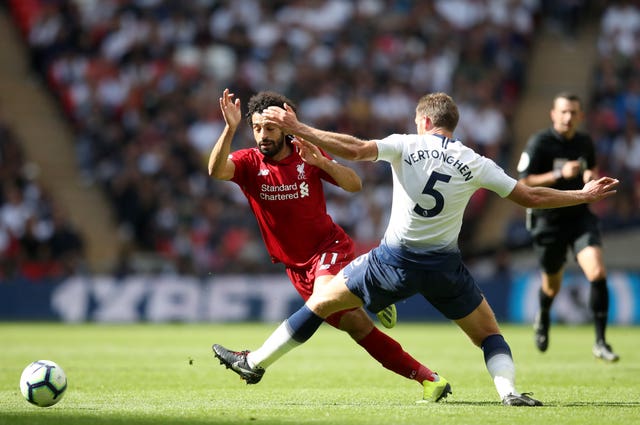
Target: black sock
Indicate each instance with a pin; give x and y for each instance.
(599, 304)
(545, 301)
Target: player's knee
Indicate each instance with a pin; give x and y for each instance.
(551, 291)
(596, 273)
(551, 284)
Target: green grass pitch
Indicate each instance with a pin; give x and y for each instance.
(165, 374)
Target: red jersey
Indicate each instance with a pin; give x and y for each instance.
(288, 201)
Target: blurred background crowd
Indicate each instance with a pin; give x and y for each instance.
(139, 82)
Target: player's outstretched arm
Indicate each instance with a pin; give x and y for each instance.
(546, 197)
(220, 166)
(344, 176)
(339, 144)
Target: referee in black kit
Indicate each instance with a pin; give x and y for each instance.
(564, 158)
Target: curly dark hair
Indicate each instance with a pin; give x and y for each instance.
(261, 101)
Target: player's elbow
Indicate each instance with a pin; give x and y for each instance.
(364, 151)
(525, 196)
(535, 198)
(213, 173)
(353, 186)
(218, 174)
(351, 153)
(530, 202)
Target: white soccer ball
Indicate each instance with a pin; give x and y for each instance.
(43, 383)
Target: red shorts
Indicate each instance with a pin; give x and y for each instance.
(326, 263)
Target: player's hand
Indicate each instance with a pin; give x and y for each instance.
(230, 109)
(308, 151)
(284, 118)
(600, 188)
(571, 169)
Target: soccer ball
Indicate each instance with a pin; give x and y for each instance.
(43, 383)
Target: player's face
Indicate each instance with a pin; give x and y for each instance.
(268, 136)
(566, 116)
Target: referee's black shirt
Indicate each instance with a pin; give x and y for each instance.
(547, 150)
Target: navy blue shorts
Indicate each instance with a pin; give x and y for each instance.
(387, 275)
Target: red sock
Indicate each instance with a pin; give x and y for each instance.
(390, 354)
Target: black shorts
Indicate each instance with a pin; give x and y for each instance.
(552, 240)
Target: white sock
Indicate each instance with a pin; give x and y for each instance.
(503, 372)
(278, 344)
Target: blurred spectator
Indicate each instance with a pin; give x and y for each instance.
(67, 244)
(619, 28)
(35, 258)
(37, 239)
(615, 109)
(139, 81)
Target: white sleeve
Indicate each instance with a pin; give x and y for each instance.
(495, 179)
(390, 147)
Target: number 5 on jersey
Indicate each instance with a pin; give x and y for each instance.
(429, 189)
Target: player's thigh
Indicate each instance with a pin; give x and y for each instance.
(353, 321)
(321, 268)
(332, 296)
(455, 293)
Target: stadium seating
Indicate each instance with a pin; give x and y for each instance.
(139, 80)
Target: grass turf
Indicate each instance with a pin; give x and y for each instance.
(165, 374)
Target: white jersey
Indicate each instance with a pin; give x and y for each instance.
(433, 179)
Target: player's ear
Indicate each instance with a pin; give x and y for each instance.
(426, 122)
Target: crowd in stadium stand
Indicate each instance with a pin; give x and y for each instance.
(37, 239)
(614, 120)
(140, 81)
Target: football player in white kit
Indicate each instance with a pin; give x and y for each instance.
(434, 175)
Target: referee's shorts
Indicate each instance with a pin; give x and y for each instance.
(551, 241)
